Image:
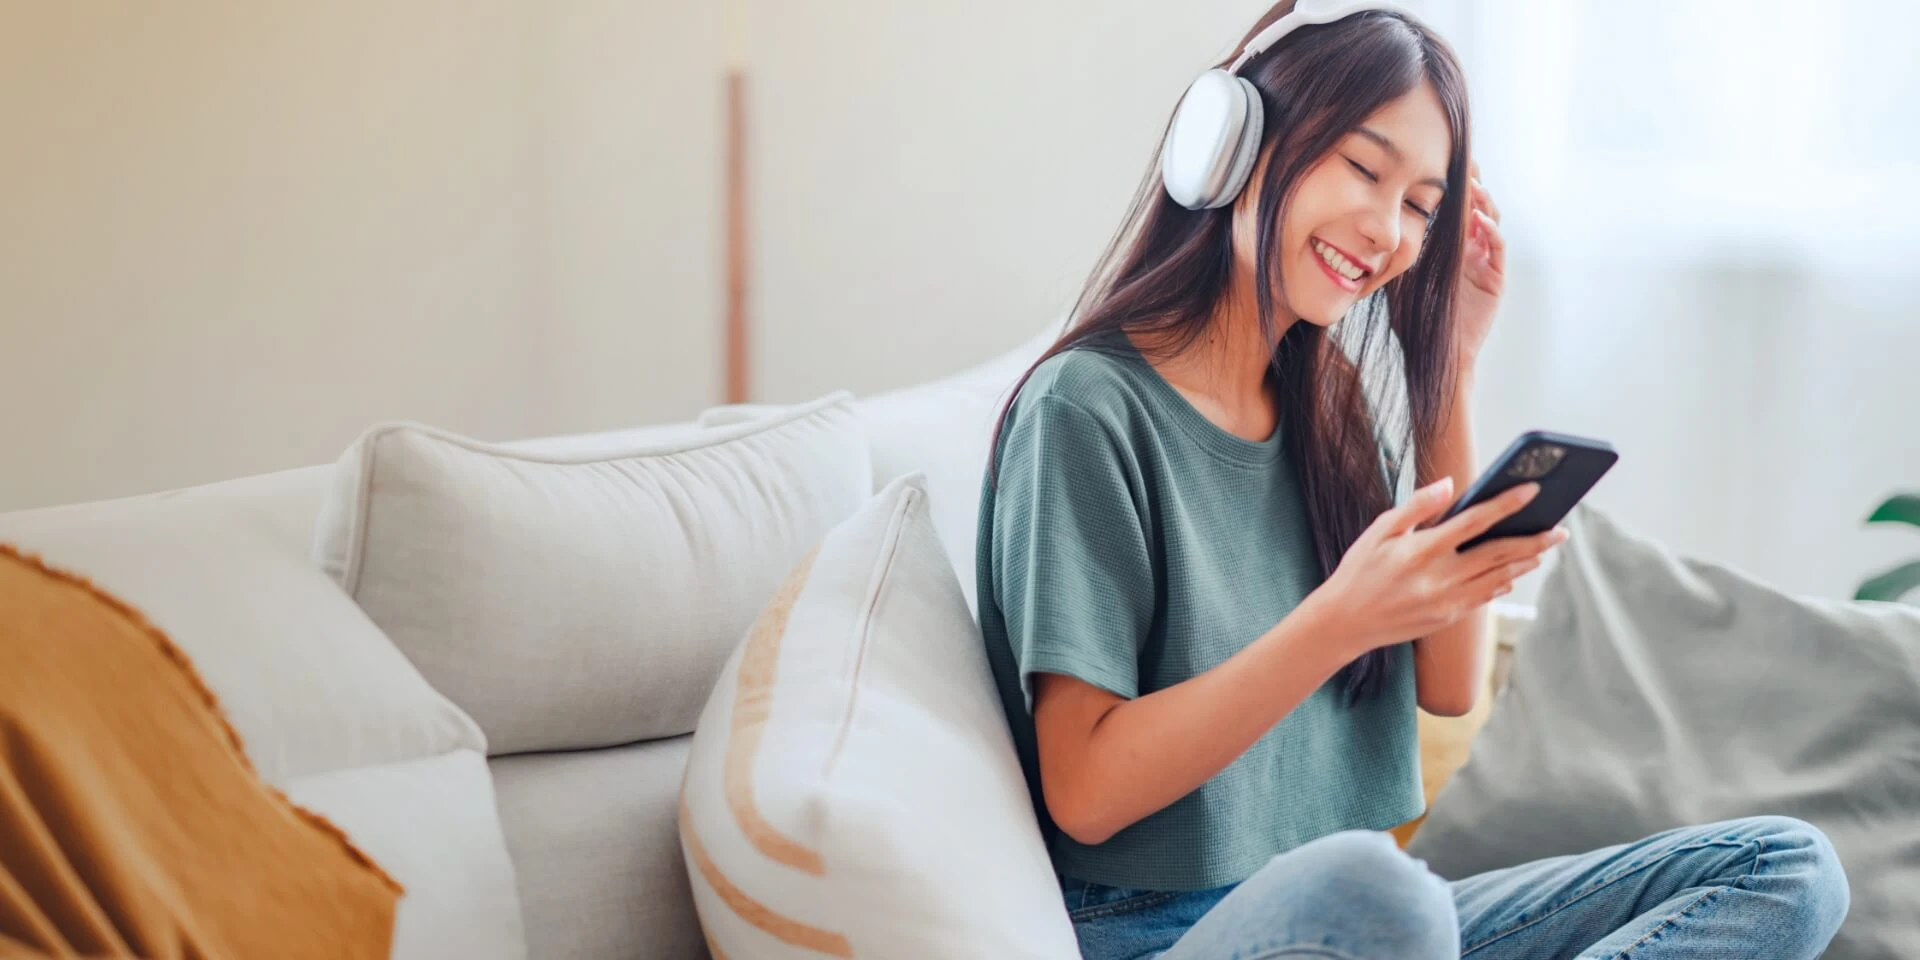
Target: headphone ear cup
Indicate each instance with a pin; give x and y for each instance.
(1246, 149)
(1204, 140)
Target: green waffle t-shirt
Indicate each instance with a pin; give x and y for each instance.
(1132, 543)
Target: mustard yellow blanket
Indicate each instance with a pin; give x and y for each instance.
(131, 823)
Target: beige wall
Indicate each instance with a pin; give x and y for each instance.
(935, 179)
(236, 234)
(233, 234)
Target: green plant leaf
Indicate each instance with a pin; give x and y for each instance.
(1904, 508)
(1891, 585)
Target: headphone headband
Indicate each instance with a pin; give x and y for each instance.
(1305, 13)
(1215, 133)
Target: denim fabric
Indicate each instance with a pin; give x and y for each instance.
(1757, 887)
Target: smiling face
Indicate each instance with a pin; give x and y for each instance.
(1358, 216)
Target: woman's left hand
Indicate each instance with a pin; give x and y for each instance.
(1483, 272)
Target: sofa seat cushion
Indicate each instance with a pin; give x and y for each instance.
(596, 852)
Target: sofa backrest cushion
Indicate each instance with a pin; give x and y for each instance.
(583, 598)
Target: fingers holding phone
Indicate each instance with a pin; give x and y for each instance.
(1491, 567)
(1397, 581)
(1423, 565)
(1509, 517)
(1496, 564)
(1466, 525)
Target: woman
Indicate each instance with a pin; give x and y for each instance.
(1199, 596)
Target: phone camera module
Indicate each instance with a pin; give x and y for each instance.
(1536, 462)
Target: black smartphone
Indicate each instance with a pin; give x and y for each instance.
(1566, 467)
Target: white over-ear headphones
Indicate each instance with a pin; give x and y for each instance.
(1215, 135)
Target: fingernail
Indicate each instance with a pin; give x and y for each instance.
(1561, 535)
(1532, 490)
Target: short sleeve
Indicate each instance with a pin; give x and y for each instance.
(1073, 575)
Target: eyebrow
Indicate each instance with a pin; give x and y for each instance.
(1389, 146)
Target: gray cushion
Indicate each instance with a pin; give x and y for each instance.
(1656, 691)
(596, 850)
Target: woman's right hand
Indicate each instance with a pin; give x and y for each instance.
(1399, 582)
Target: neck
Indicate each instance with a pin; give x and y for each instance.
(1231, 358)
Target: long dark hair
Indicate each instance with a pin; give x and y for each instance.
(1339, 397)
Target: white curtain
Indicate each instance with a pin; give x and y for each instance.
(1713, 211)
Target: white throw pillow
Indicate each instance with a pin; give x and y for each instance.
(852, 790)
(306, 679)
(575, 600)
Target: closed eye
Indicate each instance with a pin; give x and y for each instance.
(1372, 177)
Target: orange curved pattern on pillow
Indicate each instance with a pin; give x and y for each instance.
(752, 701)
(785, 929)
(752, 704)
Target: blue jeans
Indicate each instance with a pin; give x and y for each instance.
(1758, 887)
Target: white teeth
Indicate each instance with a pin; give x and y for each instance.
(1340, 264)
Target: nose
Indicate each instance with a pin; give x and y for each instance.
(1380, 225)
